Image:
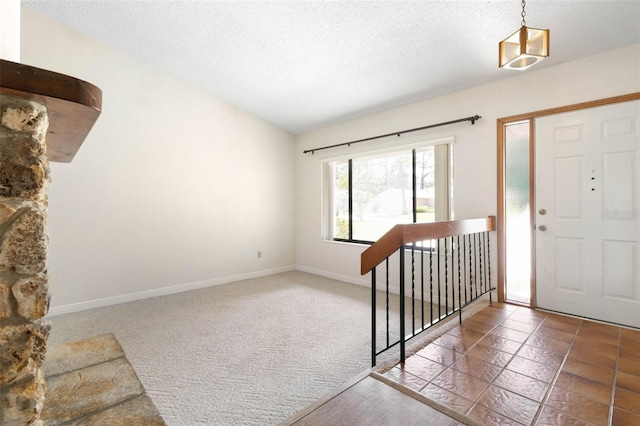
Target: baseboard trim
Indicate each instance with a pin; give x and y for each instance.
(393, 289)
(164, 291)
(334, 276)
(180, 288)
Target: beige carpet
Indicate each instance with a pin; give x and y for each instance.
(252, 352)
(248, 353)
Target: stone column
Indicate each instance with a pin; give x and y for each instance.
(24, 298)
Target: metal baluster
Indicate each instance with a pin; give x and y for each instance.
(438, 279)
(413, 289)
(453, 288)
(480, 245)
(422, 280)
(475, 263)
(387, 265)
(446, 278)
(470, 270)
(431, 281)
(402, 328)
(459, 276)
(373, 317)
(464, 264)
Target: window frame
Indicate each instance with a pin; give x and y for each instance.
(443, 168)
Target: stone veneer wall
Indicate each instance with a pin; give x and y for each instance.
(24, 298)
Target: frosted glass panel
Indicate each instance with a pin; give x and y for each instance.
(518, 247)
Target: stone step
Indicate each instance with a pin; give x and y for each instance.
(90, 381)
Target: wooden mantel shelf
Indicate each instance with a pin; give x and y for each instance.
(73, 105)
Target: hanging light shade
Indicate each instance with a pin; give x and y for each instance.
(523, 48)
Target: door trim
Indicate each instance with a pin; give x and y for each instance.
(501, 215)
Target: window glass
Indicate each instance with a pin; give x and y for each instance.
(382, 195)
(341, 200)
(425, 185)
(371, 195)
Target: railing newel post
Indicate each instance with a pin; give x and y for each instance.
(489, 264)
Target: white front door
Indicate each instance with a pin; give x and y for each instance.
(588, 213)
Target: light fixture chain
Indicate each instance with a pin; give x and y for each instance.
(524, 24)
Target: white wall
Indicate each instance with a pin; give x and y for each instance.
(10, 30)
(475, 154)
(172, 187)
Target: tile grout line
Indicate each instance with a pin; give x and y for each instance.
(449, 367)
(582, 325)
(540, 407)
(502, 368)
(551, 384)
(543, 403)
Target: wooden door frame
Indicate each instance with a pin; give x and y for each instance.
(501, 217)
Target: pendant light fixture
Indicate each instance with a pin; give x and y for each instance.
(524, 48)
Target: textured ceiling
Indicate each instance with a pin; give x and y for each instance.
(305, 64)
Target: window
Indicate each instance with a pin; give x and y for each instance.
(369, 195)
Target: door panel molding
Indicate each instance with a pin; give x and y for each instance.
(578, 184)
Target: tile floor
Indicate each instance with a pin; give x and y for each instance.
(513, 365)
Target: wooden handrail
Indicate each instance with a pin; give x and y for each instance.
(401, 235)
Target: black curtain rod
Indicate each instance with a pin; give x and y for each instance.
(471, 119)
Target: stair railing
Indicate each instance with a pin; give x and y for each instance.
(450, 267)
